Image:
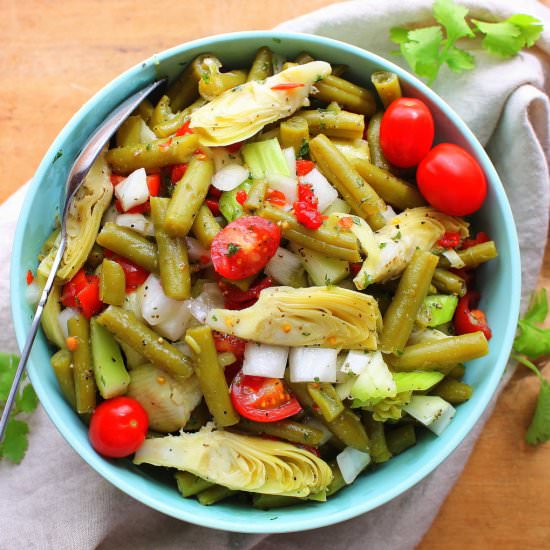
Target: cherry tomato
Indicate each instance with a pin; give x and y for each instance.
(406, 132)
(263, 399)
(243, 247)
(468, 320)
(451, 180)
(118, 427)
(235, 298)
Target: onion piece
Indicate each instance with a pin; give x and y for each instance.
(133, 190)
(285, 267)
(222, 157)
(210, 298)
(351, 463)
(195, 250)
(356, 362)
(433, 411)
(63, 317)
(229, 177)
(322, 189)
(388, 214)
(290, 157)
(32, 293)
(309, 364)
(287, 186)
(156, 307)
(454, 259)
(174, 327)
(265, 360)
(137, 222)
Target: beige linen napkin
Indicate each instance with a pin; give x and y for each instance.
(53, 500)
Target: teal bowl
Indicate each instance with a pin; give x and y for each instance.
(499, 282)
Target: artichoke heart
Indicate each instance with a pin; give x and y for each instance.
(241, 112)
(83, 219)
(325, 316)
(395, 243)
(240, 462)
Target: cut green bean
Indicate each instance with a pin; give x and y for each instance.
(188, 196)
(343, 124)
(112, 283)
(356, 191)
(50, 318)
(474, 256)
(62, 364)
(190, 485)
(457, 372)
(218, 82)
(267, 502)
(130, 245)
(145, 110)
(387, 85)
(175, 274)
(154, 155)
(205, 226)
(378, 448)
(262, 66)
(401, 438)
(84, 382)
(125, 326)
(172, 125)
(255, 197)
(95, 257)
(390, 188)
(211, 377)
(448, 282)
(294, 132)
(412, 289)
(284, 429)
(161, 113)
(373, 137)
(352, 97)
(325, 397)
(214, 494)
(184, 90)
(441, 354)
(337, 482)
(453, 391)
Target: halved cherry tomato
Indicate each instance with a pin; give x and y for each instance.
(450, 239)
(243, 247)
(118, 427)
(406, 132)
(214, 206)
(263, 399)
(287, 86)
(135, 275)
(468, 320)
(451, 180)
(304, 167)
(235, 298)
(177, 172)
(481, 237)
(184, 129)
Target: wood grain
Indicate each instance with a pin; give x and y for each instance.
(56, 55)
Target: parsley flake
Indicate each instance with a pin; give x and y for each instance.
(232, 249)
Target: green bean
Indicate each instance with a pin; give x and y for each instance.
(448, 282)
(175, 274)
(387, 85)
(214, 494)
(205, 227)
(255, 197)
(131, 132)
(373, 137)
(188, 196)
(339, 125)
(130, 245)
(189, 484)
(284, 429)
(303, 58)
(352, 97)
(337, 482)
(453, 391)
(337, 70)
(154, 155)
(219, 82)
(170, 126)
(62, 364)
(333, 106)
(331, 242)
(95, 257)
(474, 256)
(356, 191)
(84, 381)
(184, 90)
(432, 289)
(294, 132)
(199, 417)
(400, 439)
(145, 110)
(457, 372)
(441, 354)
(125, 327)
(133, 359)
(211, 377)
(390, 188)
(267, 502)
(412, 289)
(50, 318)
(378, 448)
(325, 397)
(161, 113)
(262, 66)
(112, 283)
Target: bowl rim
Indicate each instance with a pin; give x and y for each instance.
(265, 526)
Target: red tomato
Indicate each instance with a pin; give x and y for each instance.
(135, 275)
(235, 298)
(468, 320)
(228, 342)
(304, 167)
(243, 247)
(451, 180)
(263, 399)
(406, 132)
(118, 427)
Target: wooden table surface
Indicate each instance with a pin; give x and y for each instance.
(55, 55)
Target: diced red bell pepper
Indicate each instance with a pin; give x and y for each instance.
(355, 267)
(214, 193)
(235, 298)
(153, 183)
(72, 288)
(135, 275)
(177, 172)
(451, 239)
(276, 198)
(287, 86)
(82, 292)
(345, 222)
(305, 194)
(233, 148)
(30, 277)
(241, 196)
(307, 215)
(468, 320)
(481, 237)
(304, 167)
(184, 129)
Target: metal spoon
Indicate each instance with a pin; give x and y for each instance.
(76, 177)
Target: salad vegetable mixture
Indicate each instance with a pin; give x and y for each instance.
(267, 285)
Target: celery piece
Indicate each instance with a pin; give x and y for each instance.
(416, 380)
(437, 309)
(265, 158)
(230, 208)
(322, 269)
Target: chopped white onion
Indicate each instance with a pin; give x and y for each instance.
(210, 298)
(229, 177)
(195, 250)
(137, 222)
(32, 293)
(265, 360)
(284, 266)
(133, 190)
(175, 326)
(433, 411)
(356, 362)
(290, 157)
(309, 364)
(454, 259)
(323, 190)
(156, 307)
(63, 317)
(110, 215)
(351, 463)
(388, 214)
(222, 157)
(285, 185)
(343, 388)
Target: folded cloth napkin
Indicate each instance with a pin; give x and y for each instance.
(54, 500)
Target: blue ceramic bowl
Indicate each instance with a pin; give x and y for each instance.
(499, 283)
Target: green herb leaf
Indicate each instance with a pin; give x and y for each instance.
(8, 366)
(422, 51)
(26, 400)
(15, 442)
(532, 340)
(530, 27)
(232, 249)
(538, 308)
(453, 18)
(459, 60)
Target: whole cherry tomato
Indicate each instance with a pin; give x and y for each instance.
(406, 132)
(451, 180)
(118, 427)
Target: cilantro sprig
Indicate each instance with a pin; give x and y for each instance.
(531, 343)
(15, 442)
(427, 49)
